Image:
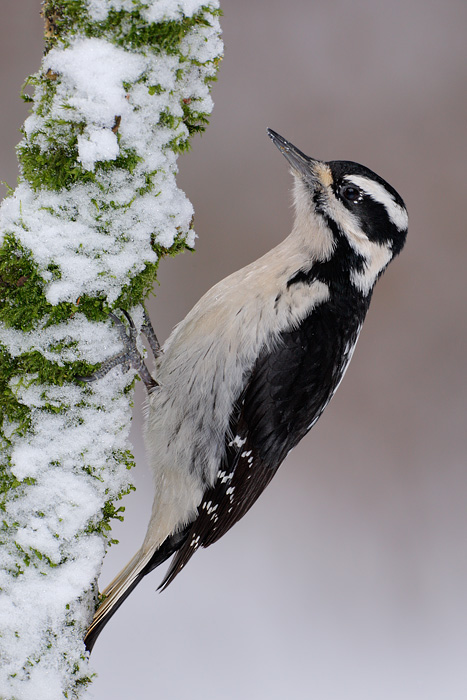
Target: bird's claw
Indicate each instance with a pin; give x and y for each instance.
(130, 357)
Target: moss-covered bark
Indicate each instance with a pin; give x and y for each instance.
(122, 88)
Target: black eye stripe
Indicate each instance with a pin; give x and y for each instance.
(351, 193)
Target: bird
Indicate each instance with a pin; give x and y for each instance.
(249, 371)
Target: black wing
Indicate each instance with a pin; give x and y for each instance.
(287, 391)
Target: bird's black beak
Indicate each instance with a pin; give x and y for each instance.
(302, 164)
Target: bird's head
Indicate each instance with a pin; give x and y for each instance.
(341, 205)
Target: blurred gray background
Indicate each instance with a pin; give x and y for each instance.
(348, 579)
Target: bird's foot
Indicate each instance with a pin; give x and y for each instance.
(131, 356)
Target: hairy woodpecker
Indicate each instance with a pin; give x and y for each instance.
(252, 367)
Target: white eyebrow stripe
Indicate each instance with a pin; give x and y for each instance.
(379, 193)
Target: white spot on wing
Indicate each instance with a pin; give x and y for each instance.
(237, 441)
(224, 477)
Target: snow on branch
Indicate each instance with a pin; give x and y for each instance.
(123, 86)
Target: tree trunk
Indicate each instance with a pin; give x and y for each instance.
(117, 97)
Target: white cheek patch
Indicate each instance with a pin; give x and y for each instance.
(375, 256)
(378, 257)
(396, 213)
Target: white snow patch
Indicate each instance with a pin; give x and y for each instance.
(152, 10)
(92, 72)
(163, 10)
(76, 339)
(95, 145)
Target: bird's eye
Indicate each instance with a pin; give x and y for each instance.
(351, 193)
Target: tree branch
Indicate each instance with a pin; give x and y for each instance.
(118, 96)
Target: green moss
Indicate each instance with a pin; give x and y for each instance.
(8, 484)
(128, 29)
(81, 682)
(138, 287)
(34, 557)
(22, 301)
(149, 186)
(11, 410)
(155, 89)
(53, 169)
(110, 510)
(126, 160)
(195, 121)
(165, 37)
(57, 167)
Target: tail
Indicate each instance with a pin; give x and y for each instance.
(128, 578)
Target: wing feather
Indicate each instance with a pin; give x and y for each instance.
(286, 393)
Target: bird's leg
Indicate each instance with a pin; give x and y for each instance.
(150, 335)
(130, 357)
